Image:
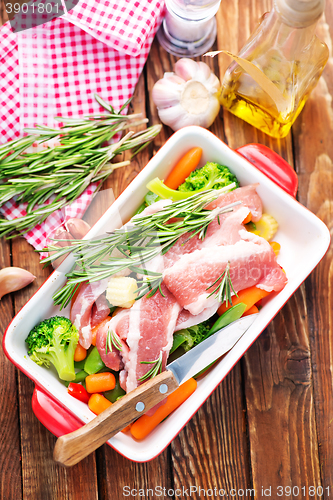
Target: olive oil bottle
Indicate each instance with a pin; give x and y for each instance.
(285, 48)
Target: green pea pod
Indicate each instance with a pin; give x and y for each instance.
(151, 198)
(228, 317)
(93, 362)
(141, 208)
(231, 315)
(178, 340)
(116, 393)
(79, 365)
(80, 376)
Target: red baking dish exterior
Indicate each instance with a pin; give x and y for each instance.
(60, 420)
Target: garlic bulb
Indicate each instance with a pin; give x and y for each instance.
(189, 96)
(14, 278)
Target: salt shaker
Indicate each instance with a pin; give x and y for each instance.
(189, 27)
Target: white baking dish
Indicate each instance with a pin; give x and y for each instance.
(304, 241)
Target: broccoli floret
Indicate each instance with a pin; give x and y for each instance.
(210, 176)
(54, 341)
(192, 336)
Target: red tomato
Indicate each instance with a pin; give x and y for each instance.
(78, 392)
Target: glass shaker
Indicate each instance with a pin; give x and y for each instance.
(189, 27)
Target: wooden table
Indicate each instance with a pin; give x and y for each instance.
(269, 425)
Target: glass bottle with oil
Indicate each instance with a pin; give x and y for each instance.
(285, 48)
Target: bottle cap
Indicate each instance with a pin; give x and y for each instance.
(300, 13)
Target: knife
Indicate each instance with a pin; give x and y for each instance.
(73, 447)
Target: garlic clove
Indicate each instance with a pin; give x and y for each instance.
(78, 228)
(214, 83)
(61, 234)
(186, 68)
(165, 95)
(176, 118)
(211, 113)
(205, 70)
(14, 278)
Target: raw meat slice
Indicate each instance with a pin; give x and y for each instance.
(80, 314)
(247, 195)
(252, 262)
(152, 323)
(112, 359)
(147, 327)
(100, 310)
(186, 319)
(221, 231)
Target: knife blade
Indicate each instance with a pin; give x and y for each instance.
(209, 350)
(73, 447)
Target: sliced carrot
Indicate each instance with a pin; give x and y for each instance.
(276, 247)
(248, 296)
(144, 425)
(183, 168)
(95, 329)
(80, 353)
(98, 403)
(100, 382)
(127, 428)
(247, 219)
(252, 310)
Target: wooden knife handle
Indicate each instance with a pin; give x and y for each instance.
(73, 447)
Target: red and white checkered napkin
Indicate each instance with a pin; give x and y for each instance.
(54, 70)
(121, 24)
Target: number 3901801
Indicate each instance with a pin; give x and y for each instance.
(24, 8)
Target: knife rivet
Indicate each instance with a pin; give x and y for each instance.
(140, 406)
(163, 389)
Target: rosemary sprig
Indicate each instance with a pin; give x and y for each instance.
(150, 284)
(155, 369)
(55, 177)
(112, 339)
(146, 237)
(223, 290)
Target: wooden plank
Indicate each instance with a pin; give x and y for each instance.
(281, 425)
(10, 465)
(314, 156)
(213, 445)
(3, 13)
(220, 422)
(111, 465)
(41, 477)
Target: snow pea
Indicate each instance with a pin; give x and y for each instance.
(116, 393)
(151, 198)
(228, 317)
(235, 313)
(93, 362)
(141, 208)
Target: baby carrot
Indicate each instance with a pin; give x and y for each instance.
(144, 425)
(100, 382)
(248, 296)
(98, 403)
(247, 219)
(252, 310)
(276, 247)
(80, 353)
(183, 168)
